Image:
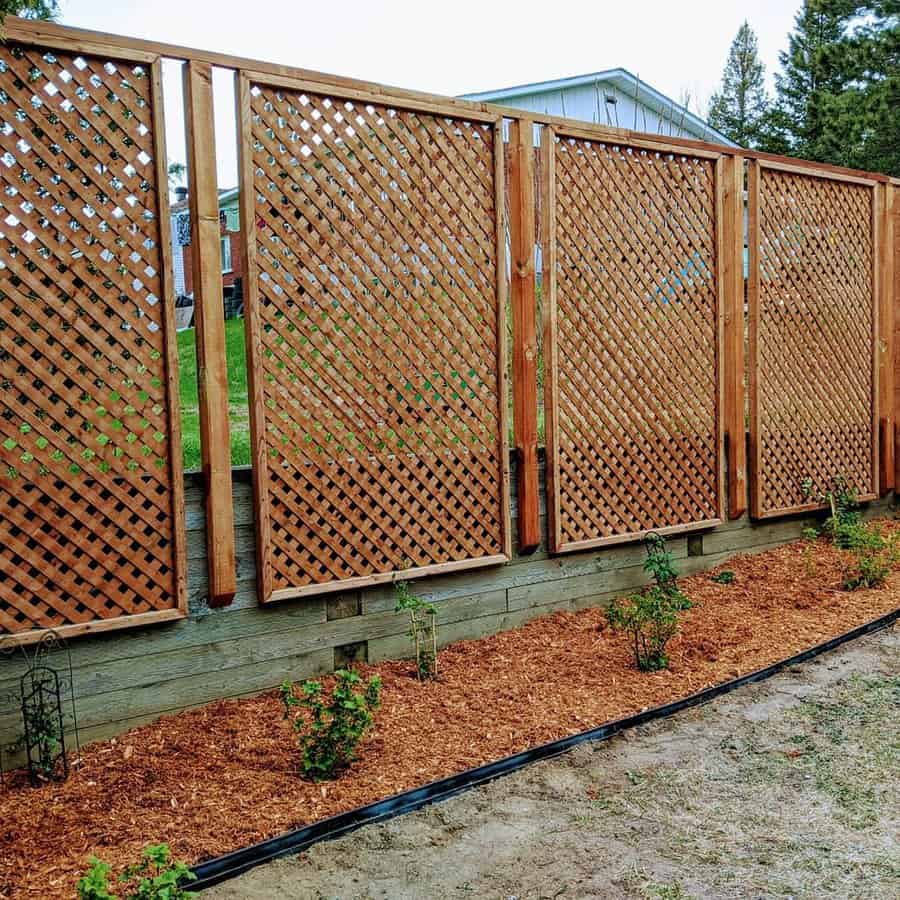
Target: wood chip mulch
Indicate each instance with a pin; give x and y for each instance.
(221, 777)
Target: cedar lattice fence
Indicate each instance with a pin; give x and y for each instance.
(377, 334)
(813, 327)
(376, 264)
(90, 482)
(632, 340)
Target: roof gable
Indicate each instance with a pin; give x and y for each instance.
(623, 83)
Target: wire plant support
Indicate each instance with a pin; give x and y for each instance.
(46, 722)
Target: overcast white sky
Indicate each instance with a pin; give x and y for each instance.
(447, 48)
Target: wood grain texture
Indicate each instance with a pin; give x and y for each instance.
(376, 337)
(732, 281)
(886, 339)
(209, 319)
(87, 41)
(635, 336)
(813, 327)
(91, 485)
(524, 307)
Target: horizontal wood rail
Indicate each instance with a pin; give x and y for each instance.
(644, 332)
(86, 40)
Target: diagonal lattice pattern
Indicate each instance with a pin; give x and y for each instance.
(637, 336)
(377, 270)
(814, 323)
(87, 526)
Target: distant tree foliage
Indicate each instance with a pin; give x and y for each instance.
(29, 9)
(837, 97)
(739, 108)
(838, 91)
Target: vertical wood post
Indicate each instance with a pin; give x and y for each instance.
(209, 318)
(524, 356)
(548, 299)
(732, 275)
(892, 287)
(753, 176)
(885, 345)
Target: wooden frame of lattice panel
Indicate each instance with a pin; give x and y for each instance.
(93, 532)
(333, 524)
(615, 473)
(836, 356)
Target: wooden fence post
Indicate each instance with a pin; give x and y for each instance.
(891, 289)
(732, 274)
(524, 357)
(209, 318)
(884, 260)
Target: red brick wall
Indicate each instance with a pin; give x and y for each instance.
(234, 239)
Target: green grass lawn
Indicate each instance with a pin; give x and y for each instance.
(235, 353)
(237, 395)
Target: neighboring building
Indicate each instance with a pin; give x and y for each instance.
(615, 98)
(229, 226)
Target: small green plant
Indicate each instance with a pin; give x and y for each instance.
(156, 877)
(42, 727)
(329, 734)
(726, 576)
(651, 616)
(845, 519)
(872, 556)
(660, 563)
(422, 629)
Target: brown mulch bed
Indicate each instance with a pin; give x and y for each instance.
(224, 776)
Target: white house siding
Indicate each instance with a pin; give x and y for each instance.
(588, 102)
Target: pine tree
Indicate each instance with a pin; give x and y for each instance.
(839, 86)
(812, 81)
(869, 53)
(738, 109)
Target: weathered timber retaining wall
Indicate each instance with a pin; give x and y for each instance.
(124, 678)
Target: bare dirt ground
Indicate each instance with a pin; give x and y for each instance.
(787, 789)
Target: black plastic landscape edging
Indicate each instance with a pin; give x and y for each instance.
(232, 864)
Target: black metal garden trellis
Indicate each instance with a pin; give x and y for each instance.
(42, 696)
(44, 736)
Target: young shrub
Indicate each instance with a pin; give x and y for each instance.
(422, 629)
(660, 563)
(872, 556)
(843, 523)
(95, 884)
(726, 576)
(156, 877)
(329, 734)
(651, 616)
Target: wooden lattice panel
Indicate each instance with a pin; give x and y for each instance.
(90, 465)
(813, 412)
(632, 341)
(377, 351)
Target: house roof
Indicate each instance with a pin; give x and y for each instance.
(624, 81)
